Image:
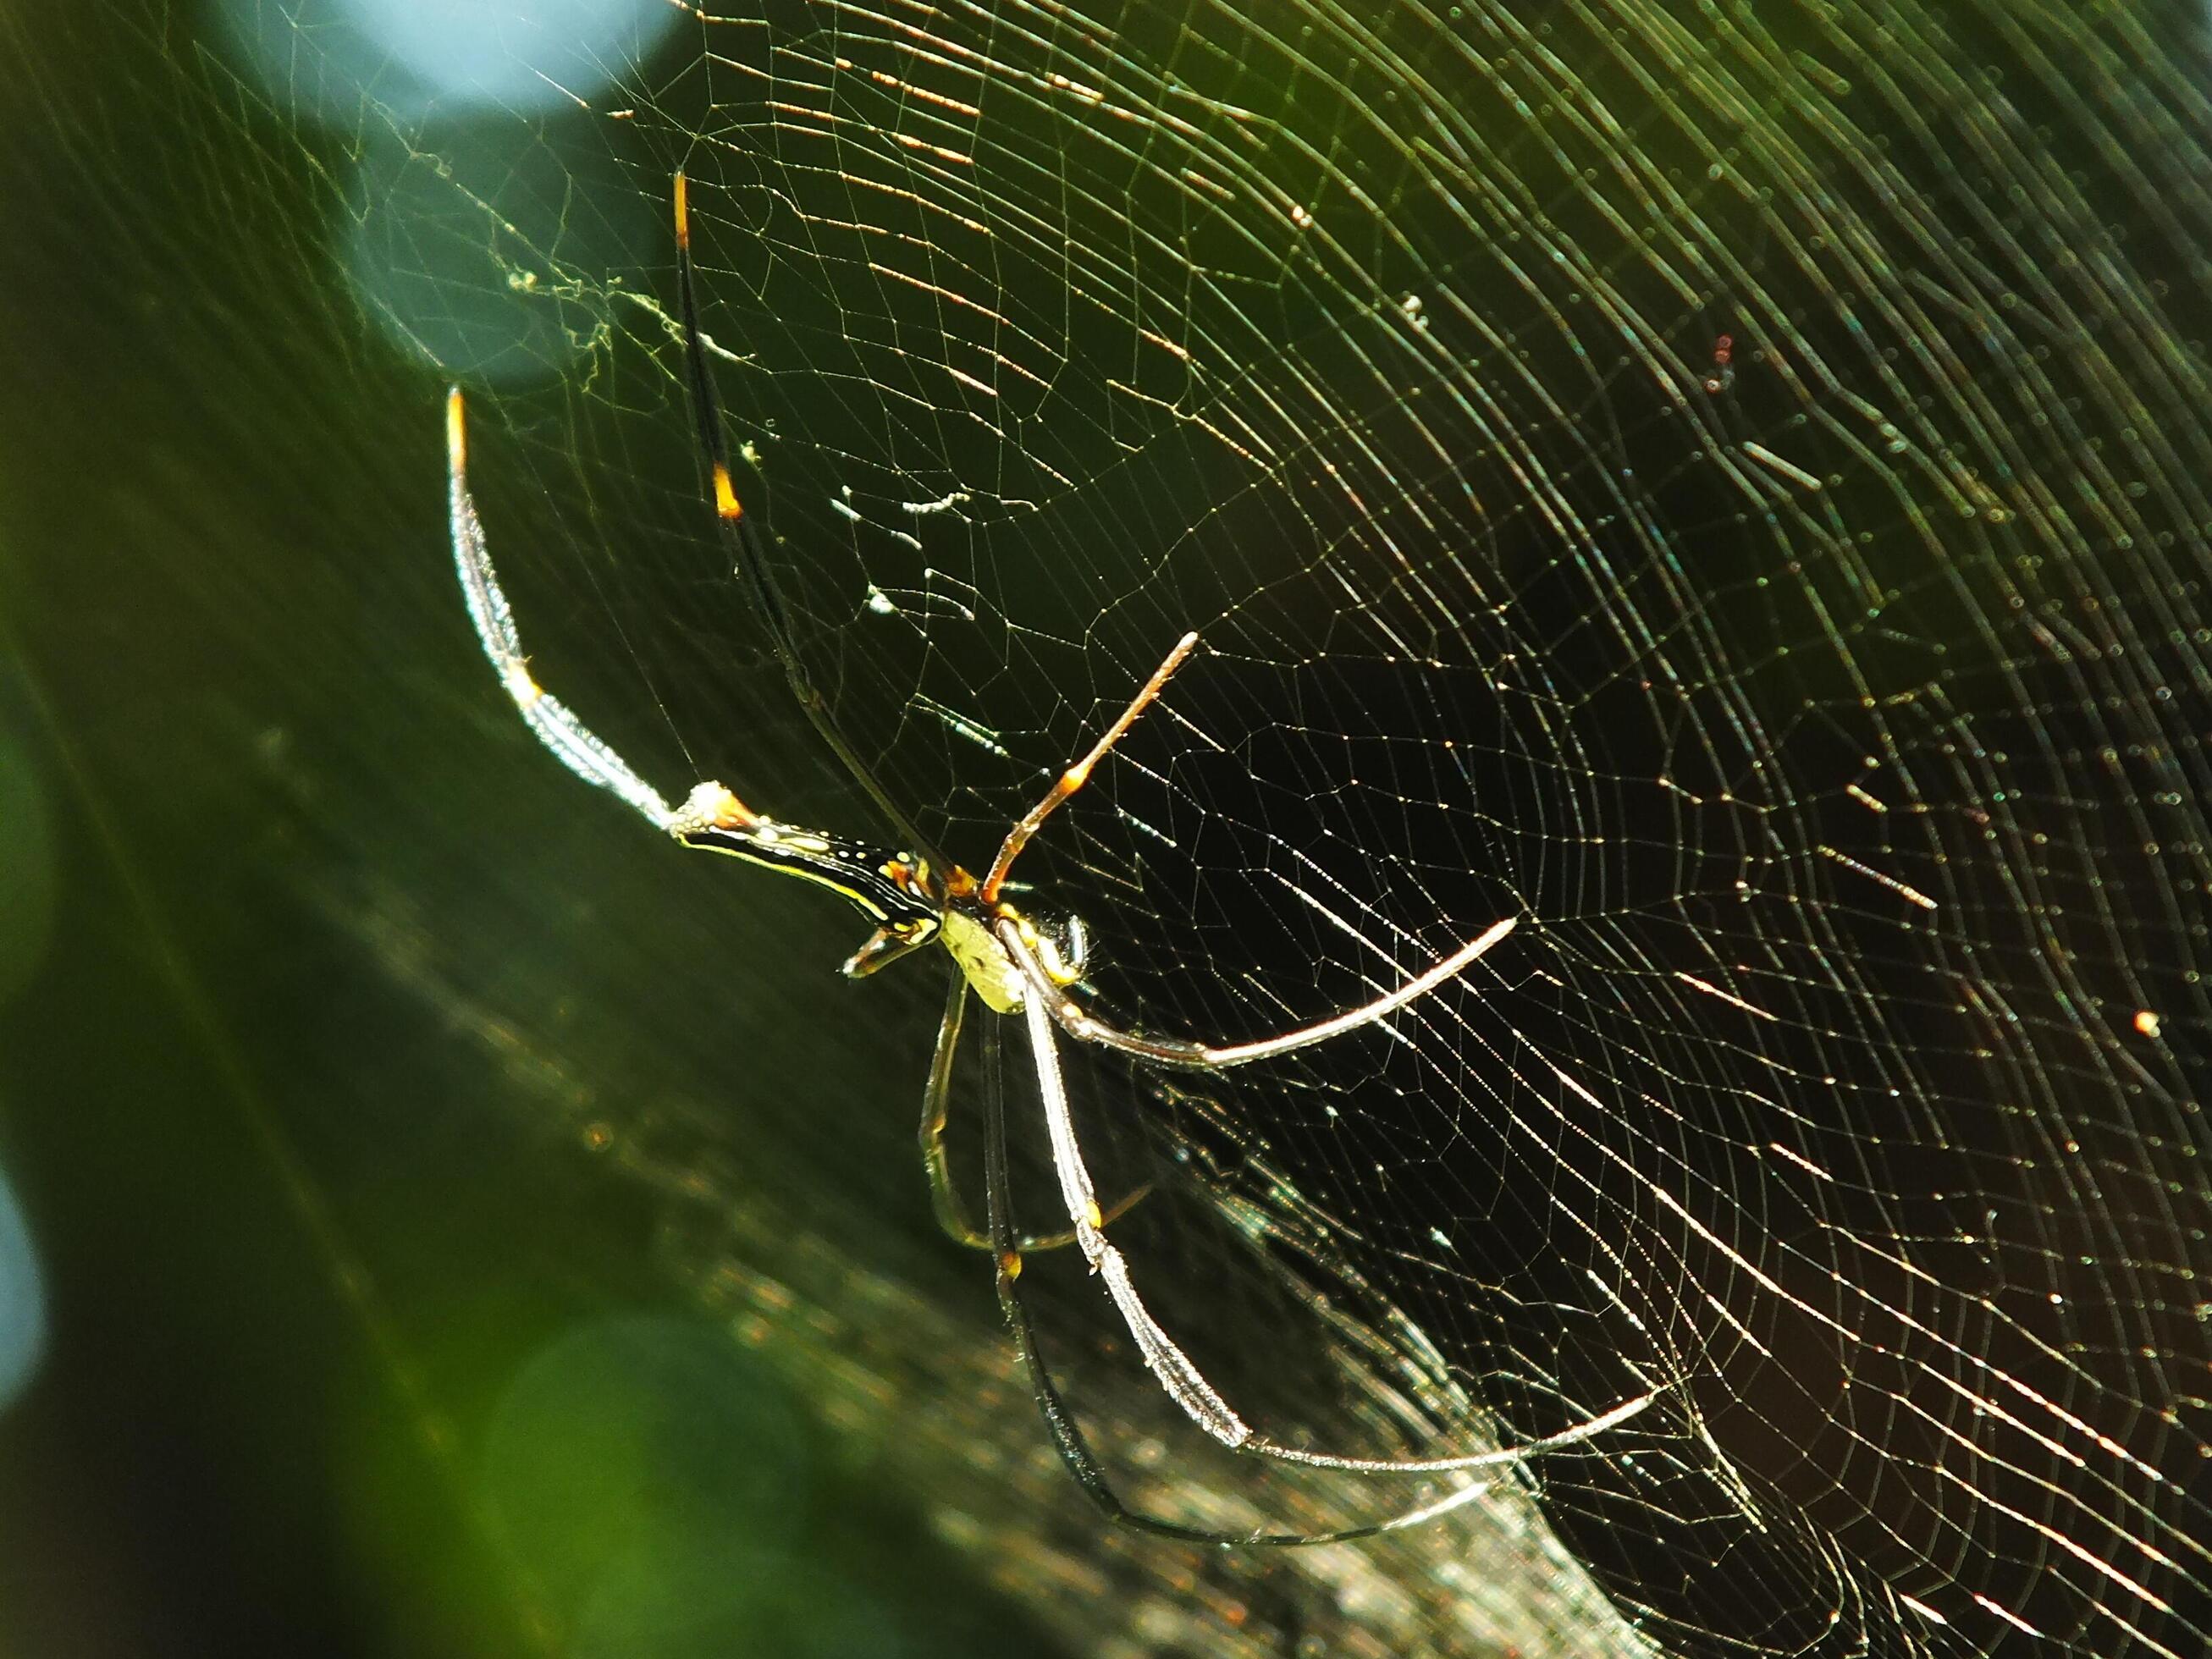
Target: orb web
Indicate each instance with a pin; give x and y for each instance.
(1721, 490)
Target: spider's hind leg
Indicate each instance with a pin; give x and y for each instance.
(574, 744)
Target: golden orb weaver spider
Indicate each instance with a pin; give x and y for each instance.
(915, 897)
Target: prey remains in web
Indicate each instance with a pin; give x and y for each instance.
(1015, 966)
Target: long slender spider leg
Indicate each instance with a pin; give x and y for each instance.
(1182, 1380)
(1068, 1435)
(952, 1213)
(1185, 1385)
(575, 745)
(741, 542)
(880, 950)
(1199, 1056)
(1080, 773)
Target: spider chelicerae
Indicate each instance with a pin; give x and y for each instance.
(916, 897)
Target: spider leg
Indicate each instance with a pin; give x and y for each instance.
(881, 949)
(1199, 1056)
(576, 746)
(952, 1213)
(1080, 773)
(1068, 1435)
(742, 543)
(1184, 1383)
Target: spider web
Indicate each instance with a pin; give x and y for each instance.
(1722, 490)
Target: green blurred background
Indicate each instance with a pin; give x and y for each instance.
(433, 1223)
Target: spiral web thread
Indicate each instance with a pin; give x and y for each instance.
(1726, 489)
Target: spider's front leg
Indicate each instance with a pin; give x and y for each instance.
(953, 1215)
(1176, 1373)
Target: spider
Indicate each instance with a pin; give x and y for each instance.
(916, 897)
